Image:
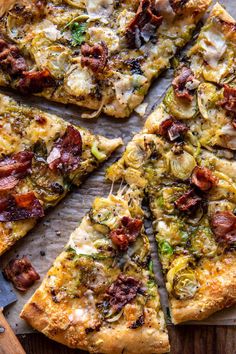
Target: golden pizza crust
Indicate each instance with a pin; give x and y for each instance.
(227, 22)
(217, 290)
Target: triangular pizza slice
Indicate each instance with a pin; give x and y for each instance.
(41, 155)
(100, 294)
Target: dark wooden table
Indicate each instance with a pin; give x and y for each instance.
(184, 340)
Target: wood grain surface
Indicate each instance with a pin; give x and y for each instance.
(184, 340)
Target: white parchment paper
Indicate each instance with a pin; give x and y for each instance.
(48, 238)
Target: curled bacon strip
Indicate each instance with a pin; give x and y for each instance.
(172, 129)
(177, 5)
(203, 178)
(21, 273)
(180, 84)
(11, 59)
(127, 232)
(66, 152)
(144, 24)
(14, 168)
(123, 291)
(20, 207)
(94, 57)
(223, 224)
(188, 201)
(229, 101)
(35, 81)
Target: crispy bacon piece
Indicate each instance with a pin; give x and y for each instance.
(35, 81)
(172, 129)
(188, 201)
(15, 207)
(21, 273)
(223, 225)
(127, 232)
(180, 84)
(94, 57)
(123, 291)
(14, 168)
(229, 101)
(144, 24)
(177, 5)
(203, 178)
(66, 152)
(10, 58)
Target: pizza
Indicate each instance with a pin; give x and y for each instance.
(203, 92)
(183, 162)
(101, 54)
(41, 156)
(100, 294)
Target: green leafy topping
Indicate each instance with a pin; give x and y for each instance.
(165, 248)
(78, 31)
(160, 201)
(150, 266)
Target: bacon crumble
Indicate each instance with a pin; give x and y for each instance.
(123, 291)
(126, 233)
(229, 100)
(180, 84)
(144, 24)
(172, 129)
(35, 81)
(188, 201)
(66, 152)
(14, 168)
(223, 225)
(14, 207)
(94, 57)
(21, 273)
(11, 59)
(203, 178)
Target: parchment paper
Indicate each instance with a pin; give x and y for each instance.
(48, 238)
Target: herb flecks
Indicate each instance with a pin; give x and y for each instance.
(78, 31)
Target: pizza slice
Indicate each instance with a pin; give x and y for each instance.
(100, 294)
(190, 183)
(41, 156)
(100, 54)
(203, 92)
(193, 202)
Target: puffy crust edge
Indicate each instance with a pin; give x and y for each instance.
(216, 294)
(107, 340)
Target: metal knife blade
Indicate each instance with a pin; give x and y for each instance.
(7, 295)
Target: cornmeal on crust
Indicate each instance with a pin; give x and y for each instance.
(99, 54)
(41, 155)
(100, 294)
(184, 162)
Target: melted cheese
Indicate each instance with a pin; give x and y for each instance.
(107, 35)
(99, 8)
(125, 86)
(48, 29)
(79, 82)
(213, 45)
